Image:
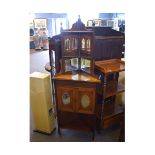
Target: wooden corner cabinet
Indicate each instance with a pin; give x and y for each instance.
(86, 83)
(76, 85)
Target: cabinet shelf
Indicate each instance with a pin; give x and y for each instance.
(118, 109)
(114, 88)
(114, 118)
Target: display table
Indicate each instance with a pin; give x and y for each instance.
(110, 112)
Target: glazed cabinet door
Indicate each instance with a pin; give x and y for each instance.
(65, 98)
(85, 100)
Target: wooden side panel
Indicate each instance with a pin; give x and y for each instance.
(108, 48)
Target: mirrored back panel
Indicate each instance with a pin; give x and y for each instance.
(71, 64)
(86, 65)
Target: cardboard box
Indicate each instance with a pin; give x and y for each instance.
(41, 102)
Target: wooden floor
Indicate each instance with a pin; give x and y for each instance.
(38, 59)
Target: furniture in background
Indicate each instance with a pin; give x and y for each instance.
(110, 112)
(113, 23)
(44, 39)
(32, 46)
(39, 34)
(108, 43)
(37, 40)
(41, 102)
(40, 39)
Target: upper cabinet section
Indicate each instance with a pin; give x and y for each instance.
(77, 49)
(86, 45)
(78, 41)
(70, 45)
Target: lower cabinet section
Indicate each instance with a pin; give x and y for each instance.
(76, 121)
(76, 105)
(76, 99)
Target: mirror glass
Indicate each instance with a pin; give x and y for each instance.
(75, 44)
(67, 44)
(83, 43)
(85, 65)
(88, 44)
(71, 64)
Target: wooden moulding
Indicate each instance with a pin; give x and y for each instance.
(109, 37)
(75, 76)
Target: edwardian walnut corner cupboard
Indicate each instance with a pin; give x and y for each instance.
(85, 82)
(76, 85)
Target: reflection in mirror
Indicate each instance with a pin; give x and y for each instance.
(75, 43)
(85, 65)
(88, 44)
(83, 43)
(67, 43)
(71, 64)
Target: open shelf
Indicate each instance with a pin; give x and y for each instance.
(109, 72)
(114, 88)
(114, 118)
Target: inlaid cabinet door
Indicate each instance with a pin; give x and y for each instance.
(85, 100)
(65, 97)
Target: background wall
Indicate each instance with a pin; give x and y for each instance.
(54, 19)
(112, 15)
(51, 20)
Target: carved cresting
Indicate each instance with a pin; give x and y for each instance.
(78, 26)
